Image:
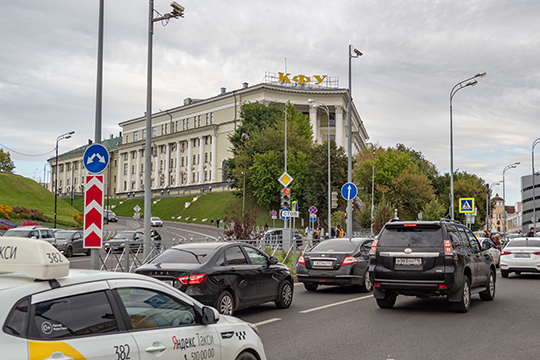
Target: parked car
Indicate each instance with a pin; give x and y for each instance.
(226, 275)
(70, 242)
(110, 216)
(336, 262)
(155, 221)
(521, 255)
(134, 237)
(275, 237)
(33, 232)
(430, 258)
(86, 314)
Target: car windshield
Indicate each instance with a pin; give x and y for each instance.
(124, 235)
(62, 235)
(411, 236)
(155, 218)
(335, 246)
(183, 256)
(522, 243)
(18, 233)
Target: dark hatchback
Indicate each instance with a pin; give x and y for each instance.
(336, 262)
(226, 275)
(134, 238)
(70, 242)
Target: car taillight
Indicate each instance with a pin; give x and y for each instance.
(536, 253)
(373, 247)
(192, 279)
(443, 287)
(302, 261)
(447, 248)
(505, 252)
(349, 260)
(377, 284)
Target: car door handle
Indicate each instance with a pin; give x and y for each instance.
(59, 356)
(156, 347)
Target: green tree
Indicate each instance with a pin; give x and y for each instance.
(6, 164)
(434, 210)
(384, 211)
(317, 178)
(470, 186)
(425, 166)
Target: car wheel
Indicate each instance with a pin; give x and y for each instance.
(246, 355)
(285, 295)
(504, 273)
(368, 286)
(225, 303)
(465, 301)
(69, 252)
(311, 287)
(389, 300)
(489, 294)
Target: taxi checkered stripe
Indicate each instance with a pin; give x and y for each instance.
(241, 335)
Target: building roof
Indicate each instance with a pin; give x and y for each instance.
(497, 198)
(110, 144)
(510, 209)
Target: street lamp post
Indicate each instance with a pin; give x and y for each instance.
(488, 195)
(460, 85)
(317, 105)
(373, 194)
(61, 137)
(349, 142)
(244, 198)
(536, 142)
(178, 11)
(507, 167)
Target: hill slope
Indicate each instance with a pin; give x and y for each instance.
(16, 190)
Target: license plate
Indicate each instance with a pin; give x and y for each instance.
(168, 282)
(408, 261)
(522, 255)
(322, 263)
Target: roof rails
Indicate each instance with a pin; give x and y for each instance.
(450, 220)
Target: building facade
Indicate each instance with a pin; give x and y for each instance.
(190, 143)
(530, 206)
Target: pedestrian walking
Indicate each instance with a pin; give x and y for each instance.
(531, 232)
(212, 221)
(217, 223)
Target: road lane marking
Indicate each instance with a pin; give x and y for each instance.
(267, 321)
(334, 304)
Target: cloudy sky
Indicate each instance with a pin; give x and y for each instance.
(414, 53)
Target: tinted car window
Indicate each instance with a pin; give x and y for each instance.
(149, 310)
(220, 260)
(17, 319)
(235, 256)
(18, 233)
(124, 235)
(256, 257)
(191, 256)
(337, 246)
(520, 242)
(411, 236)
(73, 316)
(63, 235)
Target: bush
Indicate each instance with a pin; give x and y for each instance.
(30, 223)
(24, 213)
(78, 218)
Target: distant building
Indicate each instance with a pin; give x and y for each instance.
(527, 199)
(190, 143)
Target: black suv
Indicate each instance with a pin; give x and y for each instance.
(430, 258)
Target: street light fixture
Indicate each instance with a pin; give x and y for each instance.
(507, 167)
(178, 11)
(349, 142)
(536, 142)
(61, 137)
(460, 85)
(317, 105)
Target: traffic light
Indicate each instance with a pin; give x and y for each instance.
(285, 198)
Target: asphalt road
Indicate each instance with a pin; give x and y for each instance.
(336, 323)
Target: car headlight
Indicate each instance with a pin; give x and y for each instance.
(107, 244)
(122, 244)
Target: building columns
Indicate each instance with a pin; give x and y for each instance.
(201, 159)
(340, 127)
(138, 172)
(189, 172)
(177, 177)
(167, 164)
(213, 159)
(314, 122)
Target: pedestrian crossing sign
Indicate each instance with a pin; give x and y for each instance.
(466, 205)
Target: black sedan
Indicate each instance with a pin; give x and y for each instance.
(226, 275)
(336, 262)
(134, 238)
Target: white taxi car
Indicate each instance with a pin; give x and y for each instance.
(51, 312)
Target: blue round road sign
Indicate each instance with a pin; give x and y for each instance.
(96, 158)
(349, 191)
(281, 214)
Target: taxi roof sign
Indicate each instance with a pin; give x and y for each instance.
(33, 258)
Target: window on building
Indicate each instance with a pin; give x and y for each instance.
(126, 156)
(136, 136)
(125, 185)
(205, 158)
(198, 158)
(68, 167)
(182, 161)
(144, 134)
(132, 169)
(206, 176)
(210, 139)
(211, 118)
(171, 165)
(114, 178)
(332, 120)
(166, 128)
(210, 160)
(142, 168)
(210, 174)
(199, 120)
(133, 154)
(187, 124)
(127, 139)
(76, 165)
(161, 165)
(125, 169)
(194, 159)
(61, 167)
(154, 131)
(206, 140)
(207, 119)
(176, 130)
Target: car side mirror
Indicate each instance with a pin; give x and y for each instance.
(273, 260)
(486, 245)
(209, 315)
